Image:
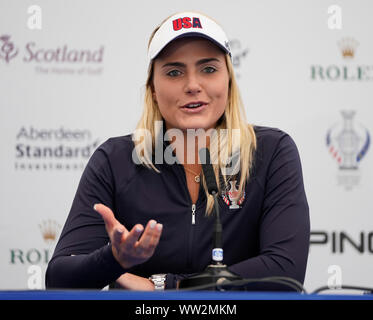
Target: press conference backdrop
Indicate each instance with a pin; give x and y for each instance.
(72, 74)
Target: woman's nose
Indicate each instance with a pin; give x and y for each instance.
(192, 85)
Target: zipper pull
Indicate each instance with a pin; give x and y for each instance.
(193, 213)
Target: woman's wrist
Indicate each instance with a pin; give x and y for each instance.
(131, 281)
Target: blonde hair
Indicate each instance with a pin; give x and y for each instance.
(221, 151)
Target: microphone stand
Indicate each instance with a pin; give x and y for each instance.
(217, 272)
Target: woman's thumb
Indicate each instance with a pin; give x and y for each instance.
(106, 214)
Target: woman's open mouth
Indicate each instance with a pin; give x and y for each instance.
(194, 107)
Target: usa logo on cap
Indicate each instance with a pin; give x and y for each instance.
(187, 24)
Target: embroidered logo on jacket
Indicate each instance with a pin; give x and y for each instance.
(232, 196)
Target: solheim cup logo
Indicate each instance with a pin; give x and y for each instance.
(348, 144)
(7, 48)
(232, 196)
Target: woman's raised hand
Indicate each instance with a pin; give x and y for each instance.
(129, 249)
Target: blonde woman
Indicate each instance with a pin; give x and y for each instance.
(142, 217)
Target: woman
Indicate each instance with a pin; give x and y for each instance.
(142, 216)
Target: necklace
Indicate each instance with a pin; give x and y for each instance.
(197, 178)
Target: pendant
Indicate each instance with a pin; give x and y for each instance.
(197, 179)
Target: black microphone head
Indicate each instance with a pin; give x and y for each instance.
(208, 171)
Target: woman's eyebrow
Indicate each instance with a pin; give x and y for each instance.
(202, 61)
(183, 65)
(174, 64)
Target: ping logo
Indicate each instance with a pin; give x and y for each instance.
(217, 254)
(186, 23)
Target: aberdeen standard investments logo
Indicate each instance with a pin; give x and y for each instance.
(348, 143)
(60, 149)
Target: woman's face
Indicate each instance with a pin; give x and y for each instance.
(190, 84)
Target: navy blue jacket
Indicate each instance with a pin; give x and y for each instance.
(267, 236)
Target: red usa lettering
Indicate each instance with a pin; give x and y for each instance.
(186, 23)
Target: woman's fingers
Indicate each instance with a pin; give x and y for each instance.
(114, 228)
(133, 237)
(117, 236)
(150, 238)
(106, 214)
(128, 247)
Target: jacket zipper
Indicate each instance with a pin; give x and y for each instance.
(193, 208)
(193, 213)
(191, 237)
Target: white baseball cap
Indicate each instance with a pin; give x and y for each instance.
(187, 24)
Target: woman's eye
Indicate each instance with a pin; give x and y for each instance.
(209, 69)
(173, 73)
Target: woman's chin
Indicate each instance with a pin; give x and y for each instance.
(194, 125)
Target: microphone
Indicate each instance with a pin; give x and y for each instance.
(208, 172)
(216, 273)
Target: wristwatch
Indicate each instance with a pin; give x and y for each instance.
(159, 281)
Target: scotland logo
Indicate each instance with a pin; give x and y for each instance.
(232, 196)
(348, 144)
(7, 49)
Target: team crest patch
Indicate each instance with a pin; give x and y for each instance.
(232, 196)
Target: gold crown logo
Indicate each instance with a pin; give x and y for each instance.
(49, 229)
(348, 47)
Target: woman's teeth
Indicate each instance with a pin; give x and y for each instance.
(196, 105)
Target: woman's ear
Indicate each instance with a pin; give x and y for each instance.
(153, 93)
